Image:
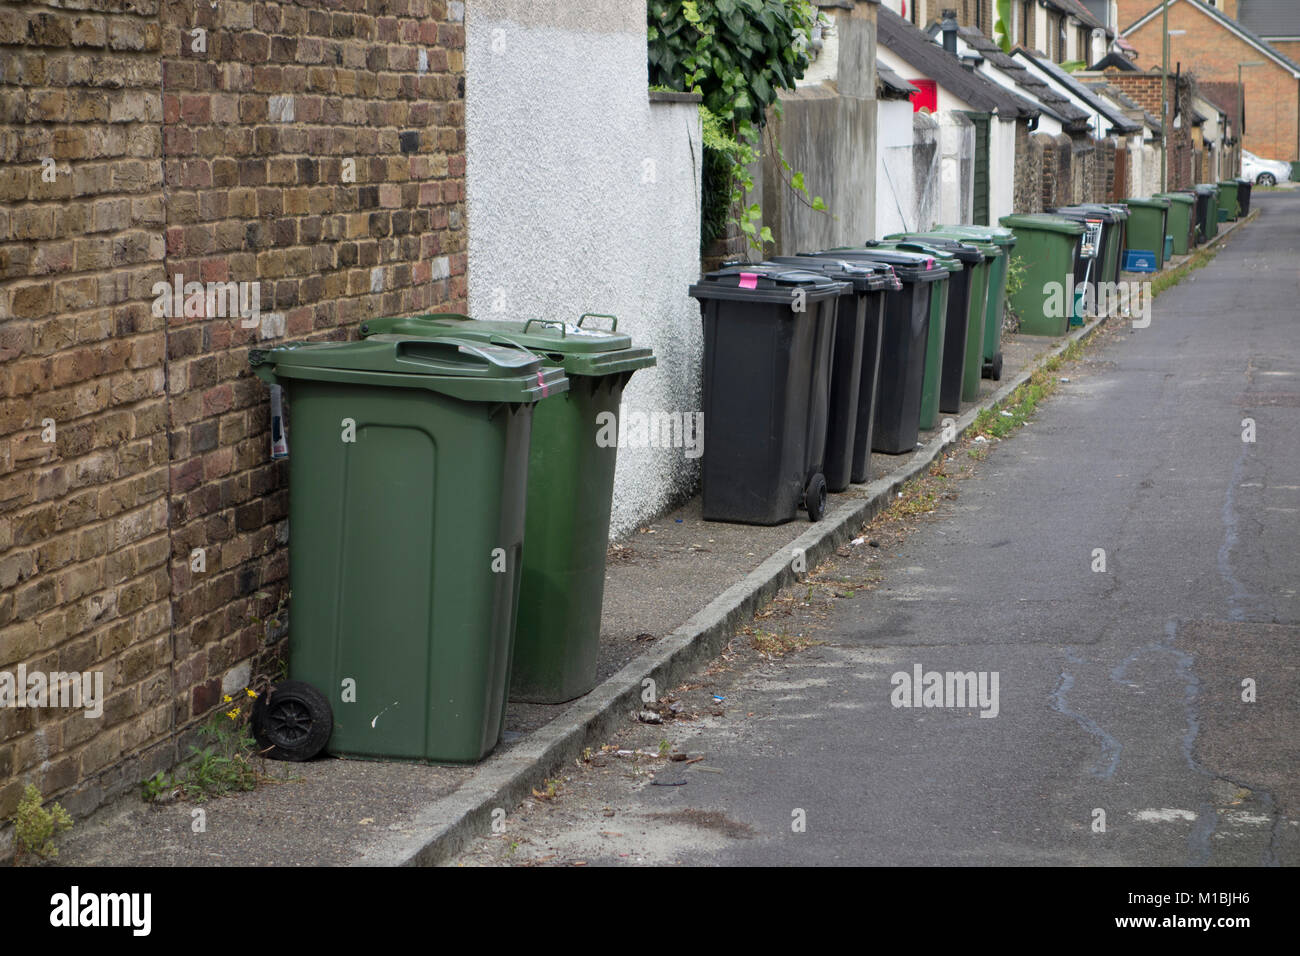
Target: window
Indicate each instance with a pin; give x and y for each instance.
(1060, 39)
(1026, 9)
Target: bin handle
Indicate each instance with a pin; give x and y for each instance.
(599, 315)
(500, 338)
(549, 322)
(413, 348)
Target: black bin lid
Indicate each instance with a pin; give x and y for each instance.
(763, 282)
(908, 266)
(1087, 211)
(865, 276)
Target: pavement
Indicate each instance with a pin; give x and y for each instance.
(679, 588)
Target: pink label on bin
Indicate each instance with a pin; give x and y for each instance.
(929, 263)
(749, 280)
(542, 382)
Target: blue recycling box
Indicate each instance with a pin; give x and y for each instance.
(1139, 260)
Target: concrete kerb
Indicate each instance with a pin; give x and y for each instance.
(442, 829)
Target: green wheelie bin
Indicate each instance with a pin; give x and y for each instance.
(1049, 248)
(1182, 220)
(996, 302)
(940, 316)
(963, 352)
(570, 490)
(407, 484)
(1146, 227)
(1229, 208)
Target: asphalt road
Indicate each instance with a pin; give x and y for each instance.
(1119, 692)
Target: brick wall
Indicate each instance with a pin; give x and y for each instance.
(1288, 48)
(1028, 192)
(1083, 169)
(316, 152)
(1145, 89)
(1057, 181)
(970, 13)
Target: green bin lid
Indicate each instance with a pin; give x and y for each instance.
(574, 346)
(942, 257)
(1152, 203)
(1187, 199)
(996, 234)
(1042, 222)
(472, 371)
(1234, 183)
(989, 248)
(965, 251)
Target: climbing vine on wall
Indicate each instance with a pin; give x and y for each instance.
(737, 54)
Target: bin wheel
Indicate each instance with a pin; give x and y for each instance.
(293, 721)
(996, 373)
(814, 497)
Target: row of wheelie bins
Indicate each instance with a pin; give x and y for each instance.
(449, 508)
(815, 361)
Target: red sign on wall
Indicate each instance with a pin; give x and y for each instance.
(928, 97)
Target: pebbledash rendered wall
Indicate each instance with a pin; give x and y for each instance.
(315, 150)
(583, 196)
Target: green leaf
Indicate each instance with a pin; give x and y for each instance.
(819, 204)
(796, 182)
(766, 234)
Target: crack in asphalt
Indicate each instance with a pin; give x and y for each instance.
(1110, 747)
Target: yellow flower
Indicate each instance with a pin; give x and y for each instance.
(232, 714)
(250, 693)
(227, 698)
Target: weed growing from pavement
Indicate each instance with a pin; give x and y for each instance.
(774, 646)
(35, 826)
(550, 789)
(222, 765)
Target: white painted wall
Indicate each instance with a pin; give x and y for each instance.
(1137, 167)
(956, 168)
(1097, 49)
(895, 199)
(582, 196)
(1002, 168)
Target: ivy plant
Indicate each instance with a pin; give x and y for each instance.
(737, 54)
